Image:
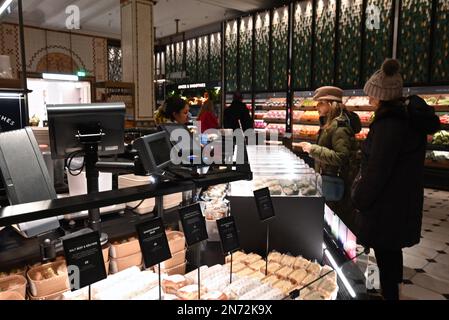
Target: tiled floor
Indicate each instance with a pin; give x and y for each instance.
(426, 266)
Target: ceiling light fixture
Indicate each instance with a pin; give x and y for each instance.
(57, 76)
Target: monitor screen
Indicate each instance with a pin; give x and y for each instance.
(160, 151)
(67, 123)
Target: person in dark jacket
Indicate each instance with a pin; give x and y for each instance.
(336, 151)
(237, 115)
(389, 191)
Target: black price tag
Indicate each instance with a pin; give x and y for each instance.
(264, 204)
(84, 258)
(153, 242)
(193, 223)
(228, 234)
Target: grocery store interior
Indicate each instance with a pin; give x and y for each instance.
(87, 178)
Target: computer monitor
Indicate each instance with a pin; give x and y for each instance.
(99, 122)
(154, 151)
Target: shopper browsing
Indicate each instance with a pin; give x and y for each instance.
(237, 116)
(207, 115)
(335, 153)
(389, 191)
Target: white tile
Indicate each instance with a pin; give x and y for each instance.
(442, 258)
(414, 262)
(443, 230)
(431, 220)
(418, 293)
(436, 236)
(421, 252)
(438, 269)
(437, 245)
(408, 273)
(428, 282)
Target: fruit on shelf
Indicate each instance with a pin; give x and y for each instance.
(309, 103)
(260, 124)
(443, 101)
(358, 102)
(297, 115)
(275, 114)
(431, 101)
(280, 128)
(441, 138)
(444, 119)
(306, 131)
(276, 102)
(362, 135)
(310, 116)
(259, 115)
(365, 116)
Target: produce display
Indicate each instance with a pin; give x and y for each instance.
(443, 101)
(305, 131)
(365, 116)
(310, 116)
(275, 114)
(444, 119)
(304, 186)
(358, 102)
(297, 115)
(309, 103)
(259, 124)
(276, 102)
(276, 127)
(362, 135)
(437, 155)
(441, 138)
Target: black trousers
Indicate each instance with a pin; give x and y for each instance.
(390, 263)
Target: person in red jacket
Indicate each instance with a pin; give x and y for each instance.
(207, 116)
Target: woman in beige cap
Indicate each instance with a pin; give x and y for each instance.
(335, 153)
(389, 194)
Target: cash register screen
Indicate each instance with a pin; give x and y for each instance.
(160, 150)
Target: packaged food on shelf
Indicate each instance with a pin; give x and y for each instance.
(310, 116)
(48, 279)
(13, 283)
(236, 257)
(297, 115)
(276, 127)
(16, 271)
(119, 264)
(125, 247)
(365, 116)
(288, 260)
(284, 272)
(272, 268)
(274, 256)
(275, 114)
(443, 101)
(131, 180)
(176, 241)
(301, 263)
(259, 124)
(192, 276)
(431, 100)
(297, 276)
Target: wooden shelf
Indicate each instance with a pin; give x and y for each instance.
(437, 164)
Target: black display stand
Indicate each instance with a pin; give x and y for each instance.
(297, 229)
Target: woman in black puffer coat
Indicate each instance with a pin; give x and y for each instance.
(389, 194)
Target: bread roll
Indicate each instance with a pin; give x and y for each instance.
(284, 272)
(285, 286)
(272, 268)
(301, 263)
(314, 268)
(257, 265)
(297, 276)
(190, 292)
(274, 257)
(172, 284)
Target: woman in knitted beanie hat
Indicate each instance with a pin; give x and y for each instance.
(389, 192)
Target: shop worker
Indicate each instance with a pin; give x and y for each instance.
(389, 190)
(237, 115)
(174, 110)
(335, 154)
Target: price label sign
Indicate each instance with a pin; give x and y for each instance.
(193, 224)
(227, 230)
(264, 204)
(84, 258)
(153, 242)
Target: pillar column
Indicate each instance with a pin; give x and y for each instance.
(137, 53)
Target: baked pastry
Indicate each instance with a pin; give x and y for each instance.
(257, 265)
(297, 276)
(251, 258)
(327, 285)
(236, 267)
(214, 295)
(285, 286)
(314, 268)
(236, 257)
(301, 263)
(271, 279)
(307, 281)
(257, 275)
(274, 256)
(287, 260)
(276, 190)
(284, 272)
(190, 292)
(272, 268)
(314, 295)
(172, 284)
(245, 272)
